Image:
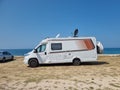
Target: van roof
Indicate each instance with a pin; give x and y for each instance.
(67, 38)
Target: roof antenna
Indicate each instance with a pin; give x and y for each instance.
(75, 33)
(58, 35)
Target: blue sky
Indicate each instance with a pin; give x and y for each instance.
(24, 23)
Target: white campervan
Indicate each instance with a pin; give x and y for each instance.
(63, 50)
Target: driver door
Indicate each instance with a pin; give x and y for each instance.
(41, 53)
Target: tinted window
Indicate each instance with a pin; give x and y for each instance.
(56, 46)
(0, 53)
(6, 53)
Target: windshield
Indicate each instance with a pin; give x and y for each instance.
(41, 48)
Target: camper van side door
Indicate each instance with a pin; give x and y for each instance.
(41, 53)
(56, 54)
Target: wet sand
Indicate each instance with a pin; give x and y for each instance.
(101, 75)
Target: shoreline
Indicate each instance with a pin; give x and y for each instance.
(108, 54)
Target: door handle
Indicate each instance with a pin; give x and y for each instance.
(45, 53)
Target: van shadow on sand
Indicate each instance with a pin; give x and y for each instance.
(94, 63)
(70, 64)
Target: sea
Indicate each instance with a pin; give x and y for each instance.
(22, 52)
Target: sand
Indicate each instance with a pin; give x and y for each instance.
(101, 75)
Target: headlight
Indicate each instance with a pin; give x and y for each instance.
(26, 54)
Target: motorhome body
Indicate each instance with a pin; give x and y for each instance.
(63, 50)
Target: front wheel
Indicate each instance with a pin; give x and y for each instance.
(76, 62)
(33, 63)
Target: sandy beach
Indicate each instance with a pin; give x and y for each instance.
(101, 75)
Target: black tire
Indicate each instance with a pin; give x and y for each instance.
(3, 59)
(98, 50)
(12, 58)
(33, 63)
(76, 62)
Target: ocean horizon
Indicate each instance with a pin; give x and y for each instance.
(21, 52)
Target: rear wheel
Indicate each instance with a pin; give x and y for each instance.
(12, 58)
(76, 62)
(3, 59)
(33, 63)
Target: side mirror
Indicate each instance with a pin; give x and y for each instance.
(35, 50)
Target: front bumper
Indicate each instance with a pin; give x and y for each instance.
(26, 60)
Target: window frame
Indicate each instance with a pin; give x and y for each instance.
(41, 48)
(56, 46)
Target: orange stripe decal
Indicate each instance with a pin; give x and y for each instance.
(89, 44)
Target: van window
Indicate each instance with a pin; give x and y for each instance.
(0, 53)
(41, 48)
(56, 46)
